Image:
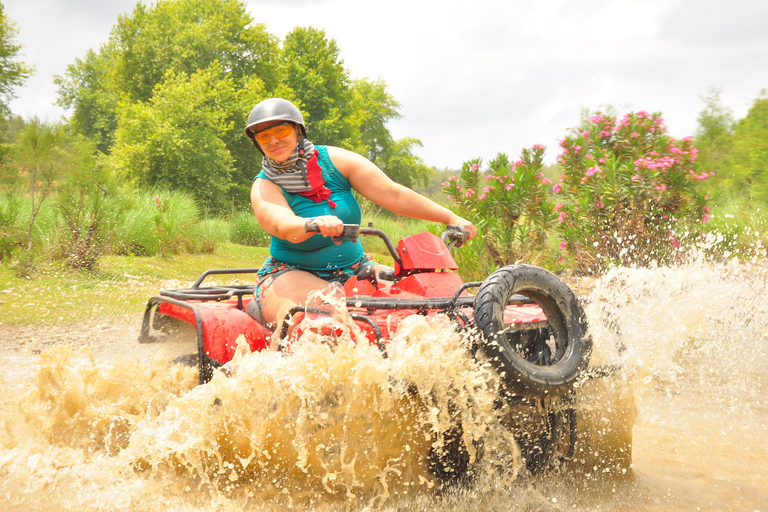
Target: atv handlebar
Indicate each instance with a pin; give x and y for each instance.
(453, 236)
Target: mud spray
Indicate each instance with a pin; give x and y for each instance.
(681, 425)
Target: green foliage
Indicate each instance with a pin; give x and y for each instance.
(316, 74)
(169, 93)
(13, 72)
(184, 36)
(510, 206)
(748, 155)
(11, 235)
(370, 108)
(88, 90)
(714, 141)
(90, 204)
(245, 230)
(628, 190)
(160, 221)
(174, 139)
(210, 232)
(173, 222)
(171, 37)
(39, 159)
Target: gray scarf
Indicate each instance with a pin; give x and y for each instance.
(291, 174)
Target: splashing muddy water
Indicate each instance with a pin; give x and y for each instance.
(85, 429)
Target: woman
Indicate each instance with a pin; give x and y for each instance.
(302, 183)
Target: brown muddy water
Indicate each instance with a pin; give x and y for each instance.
(113, 426)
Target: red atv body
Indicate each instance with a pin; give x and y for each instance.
(523, 319)
(529, 322)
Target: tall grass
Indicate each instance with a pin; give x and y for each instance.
(245, 230)
(161, 222)
(211, 231)
(11, 235)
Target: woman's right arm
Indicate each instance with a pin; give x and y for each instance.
(276, 217)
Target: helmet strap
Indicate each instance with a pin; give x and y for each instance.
(300, 142)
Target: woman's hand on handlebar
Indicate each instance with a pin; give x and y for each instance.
(328, 225)
(459, 221)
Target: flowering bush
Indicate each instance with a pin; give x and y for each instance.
(628, 191)
(509, 204)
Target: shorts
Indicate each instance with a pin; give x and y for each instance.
(272, 269)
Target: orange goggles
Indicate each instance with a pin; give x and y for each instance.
(280, 131)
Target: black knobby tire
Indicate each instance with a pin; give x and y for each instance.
(547, 372)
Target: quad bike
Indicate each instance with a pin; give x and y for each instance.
(525, 320)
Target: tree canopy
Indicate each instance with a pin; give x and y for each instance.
(735, 151)
(13, 72)
(168, 95)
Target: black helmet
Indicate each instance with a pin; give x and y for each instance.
(274, 109)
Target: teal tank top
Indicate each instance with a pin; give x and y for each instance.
(319, 252)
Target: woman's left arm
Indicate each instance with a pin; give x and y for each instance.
(371, 182)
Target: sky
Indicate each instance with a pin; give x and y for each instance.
(474, 78)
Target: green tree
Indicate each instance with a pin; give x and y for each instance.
(316, 74)
(131, 96)
(40, 159)
(90, 204)
(87, 89)
(747, 156)
(13, 72)
(175, 138)
(370, 108)
(172, 36)
(714, 139)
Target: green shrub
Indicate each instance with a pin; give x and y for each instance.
(135, 233)
(160, 221)
(628, 193)
(510, 205)
(11, 235)
(209, 232)
(245, 230)
(176, 214)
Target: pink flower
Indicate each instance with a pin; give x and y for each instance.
(563, 245)
(585, 133)
(509, 186)
(635, 134)
(445, 183)
(474, 167)
(706, 209)
(157, 201)
(705, 218)
(558, 206)
(601, 160)
(673, 239)
(561, 217)
(557, 188)
(636, 178)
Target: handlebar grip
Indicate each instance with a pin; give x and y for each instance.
(456, 236)
(350, 232)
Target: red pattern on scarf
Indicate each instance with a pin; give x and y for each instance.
(319, 191)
